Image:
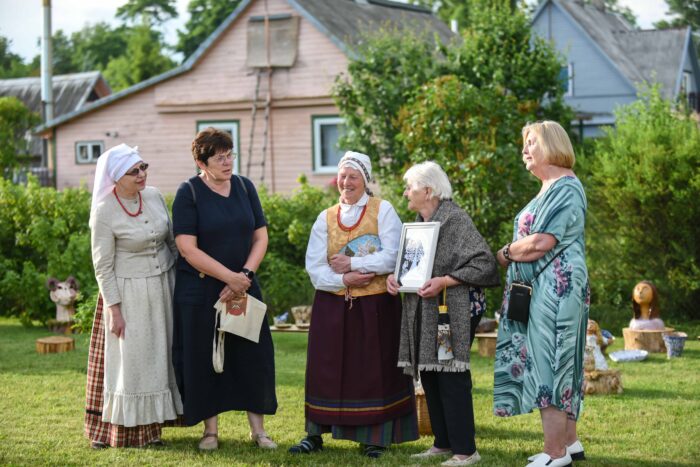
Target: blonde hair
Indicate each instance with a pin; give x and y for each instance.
(430, 175)
(554, 141)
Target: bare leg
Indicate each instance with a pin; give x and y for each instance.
(554, 424)
(255, 421)
(571, 435)
(211, 425)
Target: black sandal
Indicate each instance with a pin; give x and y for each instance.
(311, 443)
(98, 445)
(373, 451)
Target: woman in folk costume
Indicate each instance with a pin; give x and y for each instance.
(131, 389)
(354, 389)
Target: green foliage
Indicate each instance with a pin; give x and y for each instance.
(282, 276)
(459, 10)
(142, 59)
(644, 189)
(15, 122)
(43, 233)
(11, 64)
(391, 66)
(150, 11)
(472, 134)
(205, 17)
(687, 13)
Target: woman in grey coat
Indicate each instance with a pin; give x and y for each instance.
(463, 264)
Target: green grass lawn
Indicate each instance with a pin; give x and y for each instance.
(655, 422)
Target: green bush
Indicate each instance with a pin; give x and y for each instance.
(644, 186)
(43, 233)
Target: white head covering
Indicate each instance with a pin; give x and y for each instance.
(111, 166)
(358, 161)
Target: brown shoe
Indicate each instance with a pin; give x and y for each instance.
(209, 442)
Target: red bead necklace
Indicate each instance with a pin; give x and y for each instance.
(140, 210)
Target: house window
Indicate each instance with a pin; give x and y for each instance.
(87, 152)
(326, 133)
(231, 127)
(685, 83)
(566, 77)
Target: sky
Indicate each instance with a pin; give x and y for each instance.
(21, 20)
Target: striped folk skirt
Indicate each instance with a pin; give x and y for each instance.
(95, 429)
(354, 389)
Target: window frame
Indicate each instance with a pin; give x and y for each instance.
(317, 121)
(569, 92)
(234, 125)
(93, 157)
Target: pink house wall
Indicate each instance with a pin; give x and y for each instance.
(162, 119)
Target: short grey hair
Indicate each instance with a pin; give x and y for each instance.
(430, 175)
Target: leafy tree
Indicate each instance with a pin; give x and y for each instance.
(205, 17)
(11, 64)
(149, 11)
(644, 214)
(94, 46)
(448, 10)
(142, 59)
(15, 122)
(688, 14)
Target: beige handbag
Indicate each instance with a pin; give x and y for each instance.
(242, 317)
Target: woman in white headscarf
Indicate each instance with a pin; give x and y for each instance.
(354, 390)
(131, 389)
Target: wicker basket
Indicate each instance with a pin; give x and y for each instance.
(424, 428)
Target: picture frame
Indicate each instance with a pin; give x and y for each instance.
(414, 265)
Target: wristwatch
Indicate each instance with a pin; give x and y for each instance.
(248, 273)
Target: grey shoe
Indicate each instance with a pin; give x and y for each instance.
(430, 453)
(455, 461)
(209, 442)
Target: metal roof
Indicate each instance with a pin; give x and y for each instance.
(71, 91)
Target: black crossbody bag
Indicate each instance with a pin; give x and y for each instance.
(521, 293)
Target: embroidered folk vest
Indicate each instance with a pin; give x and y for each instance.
(358, 240)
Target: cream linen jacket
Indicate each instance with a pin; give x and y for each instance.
(130, 247)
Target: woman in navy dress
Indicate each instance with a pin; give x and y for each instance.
(221, 233)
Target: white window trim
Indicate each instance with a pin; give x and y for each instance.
(93, 157)
(570, 75)
(317, 122)
(231, 126)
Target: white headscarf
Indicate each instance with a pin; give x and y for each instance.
(111, 166)
(357, 161)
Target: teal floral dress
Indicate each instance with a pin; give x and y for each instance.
(541, 363)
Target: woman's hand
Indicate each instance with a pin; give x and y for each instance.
(117, 325)
(238, 283)
(357, 279)
(391, 285)
(227, 294)
(433, 287)
(340, 264)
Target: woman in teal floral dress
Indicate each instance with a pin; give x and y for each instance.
(539, 365)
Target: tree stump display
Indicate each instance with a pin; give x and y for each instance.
(487, 343)
(55, 344)
(602, 382)
(645, 339)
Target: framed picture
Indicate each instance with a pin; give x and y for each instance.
(414, 265)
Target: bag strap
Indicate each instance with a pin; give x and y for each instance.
(194, 195)
(217, 355)
(240, 179)
(550, 261)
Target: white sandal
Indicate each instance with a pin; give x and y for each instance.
(263, 440)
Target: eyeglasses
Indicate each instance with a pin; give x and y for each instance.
(221, 158)
(136, 170)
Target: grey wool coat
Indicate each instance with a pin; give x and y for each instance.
(463, 254)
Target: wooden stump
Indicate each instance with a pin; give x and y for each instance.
(487, 343)
(602, 382)
(55, 344)
(642, 339)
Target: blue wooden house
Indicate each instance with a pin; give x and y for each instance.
(607, 59)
